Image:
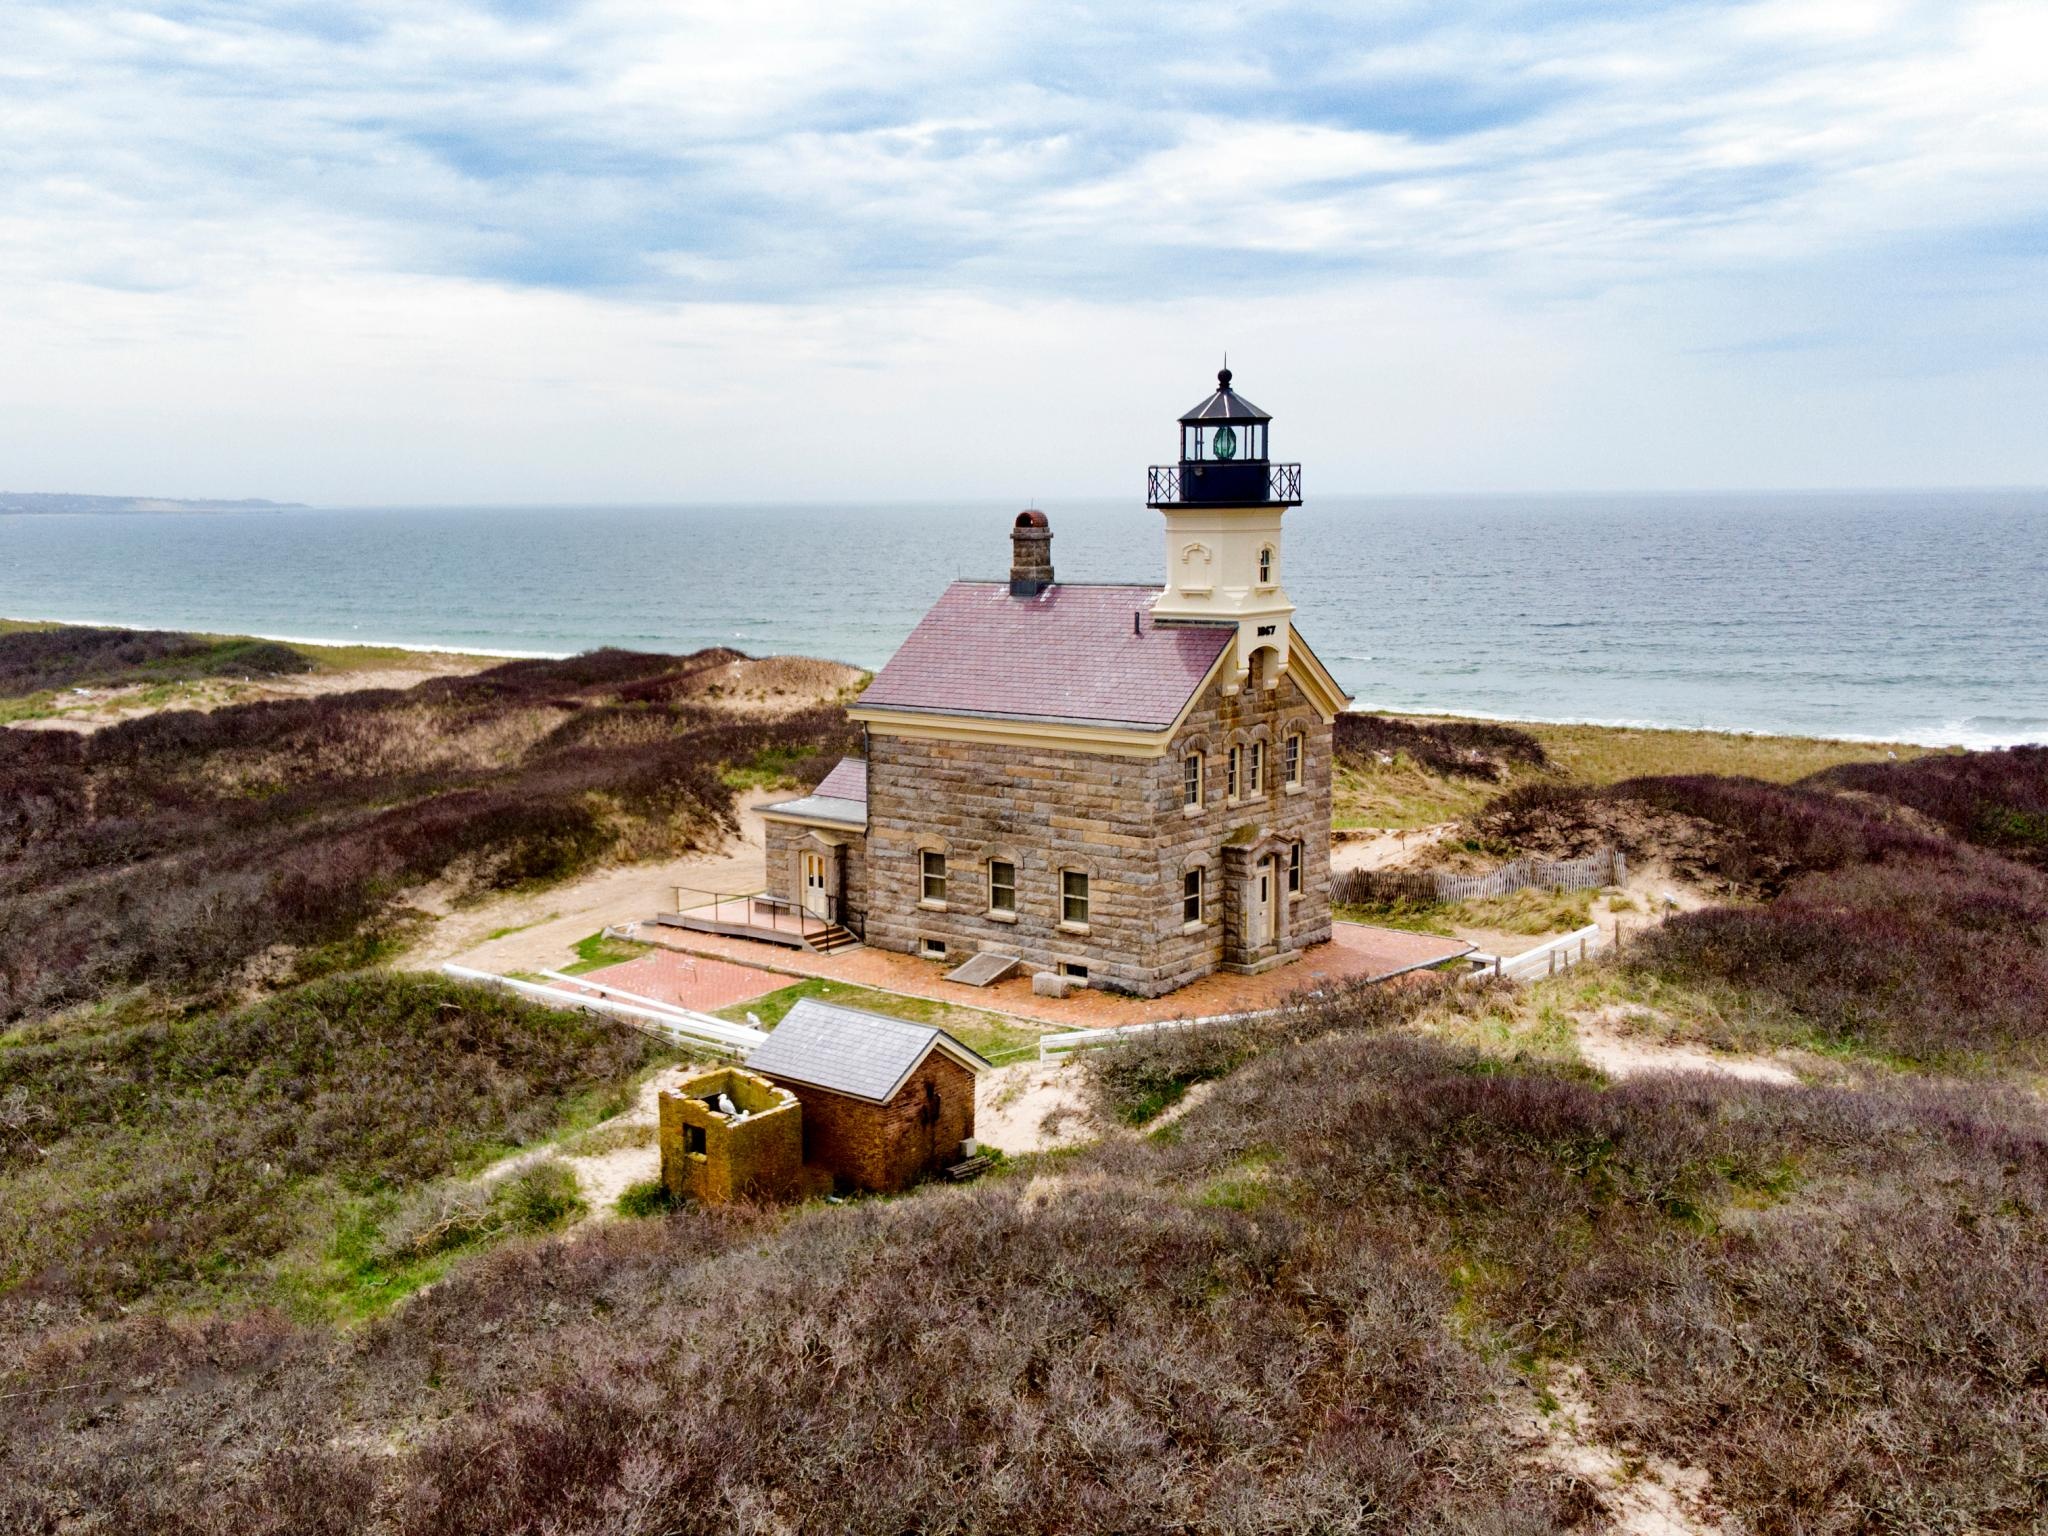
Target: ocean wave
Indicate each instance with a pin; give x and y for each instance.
(425, 647)
(1977, 733)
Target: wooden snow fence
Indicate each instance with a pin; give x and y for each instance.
(1375, 887)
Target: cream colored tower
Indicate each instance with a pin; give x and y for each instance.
(1223, 503)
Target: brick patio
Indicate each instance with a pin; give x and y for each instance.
(1355, 950)
(688, 981)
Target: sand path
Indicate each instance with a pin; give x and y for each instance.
(538, 930)
(1034, 1106)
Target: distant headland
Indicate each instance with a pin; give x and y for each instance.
(65, 501)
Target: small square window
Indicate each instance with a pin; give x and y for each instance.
(1002, 886)
(935, 949)
(934, 875)
(1294, 870)
(1191, 779)
(1191, 896)
(1072, 971)
(1294, 758)
(1073, 896)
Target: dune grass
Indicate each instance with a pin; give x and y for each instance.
(150, 1158)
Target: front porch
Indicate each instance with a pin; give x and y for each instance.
(813, 924)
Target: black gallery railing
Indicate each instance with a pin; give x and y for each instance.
(1222, 481)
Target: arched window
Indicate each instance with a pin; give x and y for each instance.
(1265, 565)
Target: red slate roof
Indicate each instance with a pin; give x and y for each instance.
(848, 780)
(1069, 654)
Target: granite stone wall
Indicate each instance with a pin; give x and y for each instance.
(784, 841)
(1118, 818)
(1265, 822)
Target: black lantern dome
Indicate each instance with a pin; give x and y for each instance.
(1224, 457)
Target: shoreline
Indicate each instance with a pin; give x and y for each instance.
(1955, 738)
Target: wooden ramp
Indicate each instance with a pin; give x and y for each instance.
(985, 969)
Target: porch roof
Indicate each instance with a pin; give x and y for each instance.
(840, 798)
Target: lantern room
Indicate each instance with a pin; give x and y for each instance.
(1224, 457)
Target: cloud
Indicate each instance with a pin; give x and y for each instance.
(1860, 187)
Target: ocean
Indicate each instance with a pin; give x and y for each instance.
(1894, 616)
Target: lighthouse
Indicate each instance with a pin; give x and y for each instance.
(1223, 504)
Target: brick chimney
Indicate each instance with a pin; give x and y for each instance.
(1030, 554)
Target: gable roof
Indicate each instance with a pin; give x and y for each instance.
(1072, 653)
(850, 1051)
(841, 797)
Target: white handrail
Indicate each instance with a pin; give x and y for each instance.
(1553, 955)
(602, 990)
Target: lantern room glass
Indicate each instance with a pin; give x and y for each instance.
(1246, 441)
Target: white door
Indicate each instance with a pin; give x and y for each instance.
(816, 900)
(1262, 905)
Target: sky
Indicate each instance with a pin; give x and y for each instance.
(646, 252)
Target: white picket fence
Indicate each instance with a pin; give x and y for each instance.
(1548, 958)
(678, 1026)
(1053, 1047)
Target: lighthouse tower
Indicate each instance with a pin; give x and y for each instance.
(1223, 502)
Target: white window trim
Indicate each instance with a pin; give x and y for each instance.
(995, 913)
(1072, 925)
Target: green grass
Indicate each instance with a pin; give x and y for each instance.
(770, 768)
(1528, 911)
(596, 952)
(997, 1036)
(506, 933)
(649, 1197)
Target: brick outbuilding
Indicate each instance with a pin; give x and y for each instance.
(885, 1102)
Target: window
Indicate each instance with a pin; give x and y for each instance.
(1294, 760)
(934, 875)
(1231, 786)
(1073, 971)
(935, 949)
(1191, 896)
(1294, 869)
(1191, 779)
(1002, 886)
(693, 1140)
(1073, 896)
(1258, 774)
(1266, 566)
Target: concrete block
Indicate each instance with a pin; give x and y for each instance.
(1049, 984)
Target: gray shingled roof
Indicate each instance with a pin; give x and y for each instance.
(851, 1051)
